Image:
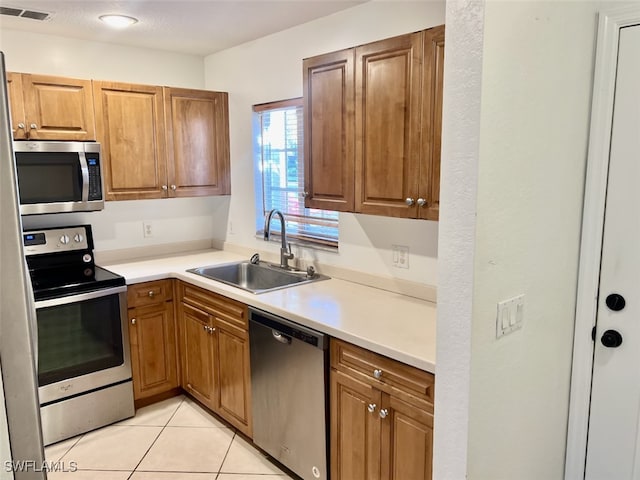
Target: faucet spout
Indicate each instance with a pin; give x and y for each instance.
(285, 248)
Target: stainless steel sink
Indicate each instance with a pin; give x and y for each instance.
(257, 277)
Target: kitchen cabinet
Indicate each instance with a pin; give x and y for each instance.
(161, 142)
(381, 417)
(214, 341)
(51, 108)
(197, 124)
(153, 338)
(131, 130)
(373, 115)
(432, 85)
(328, 133)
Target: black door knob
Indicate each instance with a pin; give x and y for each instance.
(611, 339)
(615, 302)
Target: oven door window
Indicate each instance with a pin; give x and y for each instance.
(49, 177)
(79, 338)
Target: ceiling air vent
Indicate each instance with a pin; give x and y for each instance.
(20, 12)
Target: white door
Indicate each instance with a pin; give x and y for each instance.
(613, 445)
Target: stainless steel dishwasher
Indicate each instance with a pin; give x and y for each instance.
(289, 393)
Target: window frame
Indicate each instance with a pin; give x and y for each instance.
(324, 243)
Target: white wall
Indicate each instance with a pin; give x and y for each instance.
(119, 225)
(538, 60)
(270, 69)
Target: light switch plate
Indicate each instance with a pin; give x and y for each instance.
(400, 256)
(510, 315)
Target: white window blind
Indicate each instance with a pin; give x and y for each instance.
(280, 163)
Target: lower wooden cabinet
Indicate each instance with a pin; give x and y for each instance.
(381, 417)
(152, 336)
(214, 341)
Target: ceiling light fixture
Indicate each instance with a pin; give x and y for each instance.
(118, 21)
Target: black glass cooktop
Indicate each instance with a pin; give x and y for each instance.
(71, 280)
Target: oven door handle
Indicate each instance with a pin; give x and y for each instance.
(54, 302)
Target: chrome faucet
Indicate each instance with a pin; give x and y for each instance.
(285, 248)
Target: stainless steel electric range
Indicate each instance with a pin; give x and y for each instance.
(84, 367)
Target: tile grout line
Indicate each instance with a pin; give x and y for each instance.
(59, 459)
(235, 433)
(157, 437)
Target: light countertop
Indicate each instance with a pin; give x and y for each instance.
(391, 324)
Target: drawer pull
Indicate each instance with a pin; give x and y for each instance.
(383, 413)
(377, 373)
(372, 407)
(133, 321)
(151, 294)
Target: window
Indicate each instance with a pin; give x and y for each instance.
(280, 174)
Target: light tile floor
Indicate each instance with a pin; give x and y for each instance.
(171, 440)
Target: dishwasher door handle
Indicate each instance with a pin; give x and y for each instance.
(280, 337)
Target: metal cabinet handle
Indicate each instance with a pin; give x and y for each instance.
(409, 201)
(205, 328)
(422, 202)
(164, 187)
(133, 321)
(173, 187)
(383, 413)
(377, 373)
(21, 126)
(304, 194)
(33, 126)
(372, 407)
(151, 293)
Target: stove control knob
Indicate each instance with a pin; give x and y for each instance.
(78, 238)
(64, 239)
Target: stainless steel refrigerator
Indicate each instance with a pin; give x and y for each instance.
(21, 450)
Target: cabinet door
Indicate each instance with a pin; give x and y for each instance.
(130, 125)
(153, 349)
(198, 354)
(16, 105)
(407, 441)
(355, 430)
(58, 108)
(234, 388)
(388, 82)
(328, 131)
(197, 142)
(432, 122)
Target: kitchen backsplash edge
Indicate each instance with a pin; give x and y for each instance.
(396, 285)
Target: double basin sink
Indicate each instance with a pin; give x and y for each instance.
(260, 277)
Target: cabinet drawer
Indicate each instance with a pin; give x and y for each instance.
(221, 307)
(149, 292)
(381, 371)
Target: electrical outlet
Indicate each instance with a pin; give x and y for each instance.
(147, 229)
(510, 315)
(400, 256)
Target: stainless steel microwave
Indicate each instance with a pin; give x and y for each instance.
(55, 177)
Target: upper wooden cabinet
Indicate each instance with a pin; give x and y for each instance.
(373, 115)
(51, 108)
(197, 124)
(162, 142)
(130, 124)
(432, 83)
(329, 123)
(388, 76)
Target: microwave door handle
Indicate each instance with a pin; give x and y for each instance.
(85, 176)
